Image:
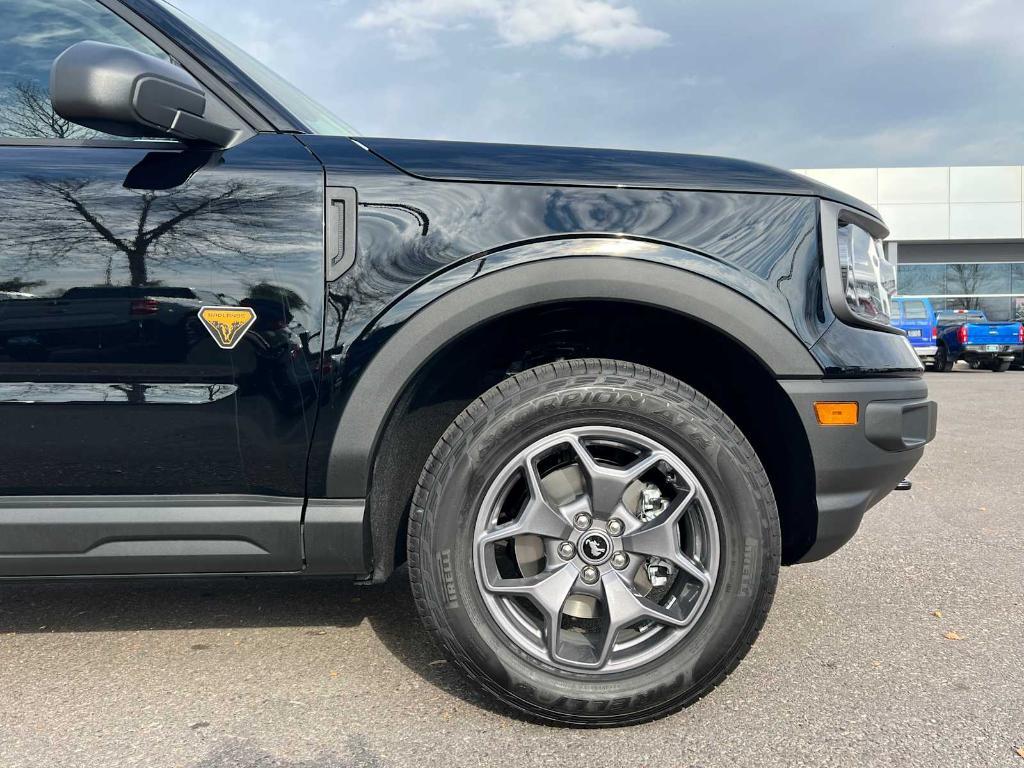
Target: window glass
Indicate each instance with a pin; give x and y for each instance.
(996, 308)
(922, 279)
(914, 310)
(1017, 278)
(32, 34)
(313, 115)
(977, 278)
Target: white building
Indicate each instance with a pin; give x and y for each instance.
(957, 233)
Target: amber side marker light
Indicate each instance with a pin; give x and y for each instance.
(836, 414)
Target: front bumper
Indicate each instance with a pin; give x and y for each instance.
(926, 352)
(855, 467)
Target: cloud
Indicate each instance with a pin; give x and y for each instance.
(585, 27)
(919, 82)
(43, 37)
(967, 22)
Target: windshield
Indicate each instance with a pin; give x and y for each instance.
(315, 117)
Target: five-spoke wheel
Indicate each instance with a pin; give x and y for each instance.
(596, 549)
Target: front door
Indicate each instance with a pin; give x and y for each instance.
(134, 436)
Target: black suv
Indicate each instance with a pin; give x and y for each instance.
(594, 398)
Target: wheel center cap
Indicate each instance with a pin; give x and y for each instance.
(595, 548)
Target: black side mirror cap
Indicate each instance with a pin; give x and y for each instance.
(123, 92)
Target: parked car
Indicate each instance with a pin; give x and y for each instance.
(916, 317)
(970, 336)
(593, 522)
(125, 322)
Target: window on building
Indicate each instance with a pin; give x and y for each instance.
(977, 278)
(996, 308)
(995, 288)
(1017, 278)
(922, 279)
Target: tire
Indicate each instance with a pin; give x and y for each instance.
(999, 366)
(717, 492)
(942, 363)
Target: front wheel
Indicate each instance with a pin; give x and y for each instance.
(594, 543)
(999, 366)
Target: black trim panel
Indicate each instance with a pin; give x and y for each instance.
(336, 538)
(136, 535)
(900, 425)
(342, 233)
(103, 143)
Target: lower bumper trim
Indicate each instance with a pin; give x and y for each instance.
(896, 425)
(855, 467)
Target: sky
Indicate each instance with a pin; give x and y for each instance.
(794, 83)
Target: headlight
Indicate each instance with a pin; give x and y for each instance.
(868, 279)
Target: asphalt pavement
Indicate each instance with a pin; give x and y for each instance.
(906, 648)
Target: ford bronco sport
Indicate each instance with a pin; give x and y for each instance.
(593, 398)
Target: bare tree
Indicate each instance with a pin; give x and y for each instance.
(965, 279)
(51, 219)
(27, 113)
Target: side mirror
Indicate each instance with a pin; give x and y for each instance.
(126, 93)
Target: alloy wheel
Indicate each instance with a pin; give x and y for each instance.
(596, 549)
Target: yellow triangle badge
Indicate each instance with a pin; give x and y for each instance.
(227, 325)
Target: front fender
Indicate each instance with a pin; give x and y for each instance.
(425, 320)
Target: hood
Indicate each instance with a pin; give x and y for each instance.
(578, 166)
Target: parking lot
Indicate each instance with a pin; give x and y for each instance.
(904, 649)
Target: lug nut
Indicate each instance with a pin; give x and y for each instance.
(615, 527)
(582, 521)
(590, 575)
(566, 550)
(620, 560)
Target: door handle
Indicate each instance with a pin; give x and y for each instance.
(340, 240)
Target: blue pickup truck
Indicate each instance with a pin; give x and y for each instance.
(969, 335)
(916, 317)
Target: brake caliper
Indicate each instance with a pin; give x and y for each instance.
(652, 504)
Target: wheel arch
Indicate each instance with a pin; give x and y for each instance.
(367, 454)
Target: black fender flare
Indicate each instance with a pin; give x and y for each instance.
(451, 304)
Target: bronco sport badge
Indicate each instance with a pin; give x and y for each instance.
(227, 325)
